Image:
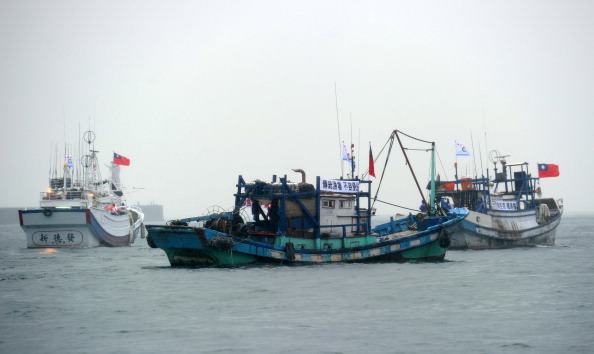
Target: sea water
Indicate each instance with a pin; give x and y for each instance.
(129, 300)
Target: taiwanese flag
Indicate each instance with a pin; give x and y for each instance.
(371, 165)
(120, 160)
(547, 170)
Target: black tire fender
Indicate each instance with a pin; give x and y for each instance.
(444, 238)
(290, 251)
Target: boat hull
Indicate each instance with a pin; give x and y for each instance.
(188, 246)
(78, 227)
(498, 229)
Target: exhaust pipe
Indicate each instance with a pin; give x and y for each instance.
(302, 174)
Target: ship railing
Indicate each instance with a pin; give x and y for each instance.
(362, 227)
(61, 194)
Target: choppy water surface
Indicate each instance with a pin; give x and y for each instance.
(129, 300)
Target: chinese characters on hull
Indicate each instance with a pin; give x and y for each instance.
(57, 238)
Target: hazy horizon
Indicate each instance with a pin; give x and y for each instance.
(195, 93)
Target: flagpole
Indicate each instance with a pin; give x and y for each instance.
(352, 161)
(359, 142)
(474, 155)
(343, 151)
(456, 163)
(351, 123)
(352, 148)
(432, 201)
(456, 152)
(338, 127)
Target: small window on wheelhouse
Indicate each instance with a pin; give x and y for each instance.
(328, 203)
(345, 204)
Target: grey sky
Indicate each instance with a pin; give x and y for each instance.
(195, 93)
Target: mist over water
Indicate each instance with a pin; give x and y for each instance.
(129, 300)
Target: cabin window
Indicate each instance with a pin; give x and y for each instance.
(327, 203)
(345, 204)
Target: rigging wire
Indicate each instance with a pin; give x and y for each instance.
(391, 143)
(396, 205)
(412, 137)
(473, 155)
(441, 164)
(376, 158)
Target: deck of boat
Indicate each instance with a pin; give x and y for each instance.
(396, 235)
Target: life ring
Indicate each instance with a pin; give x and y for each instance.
(444, 238)
(290, 251)
(47, 212)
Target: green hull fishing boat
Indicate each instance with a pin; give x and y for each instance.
(298, 222)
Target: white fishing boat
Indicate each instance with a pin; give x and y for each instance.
(504, 210)
(80, 209)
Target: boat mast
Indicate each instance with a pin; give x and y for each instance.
(92, 173)
(352, 160)
(410, 167)
(432, 201)
(338, 127)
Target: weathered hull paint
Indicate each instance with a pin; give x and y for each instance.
(206, 257)
(212, 257)
(187, 246)
(498, 230)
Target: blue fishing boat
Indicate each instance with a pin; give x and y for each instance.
(505, 209)
(329, 220)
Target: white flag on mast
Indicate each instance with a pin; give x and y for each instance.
(345, 153)
(461, 150)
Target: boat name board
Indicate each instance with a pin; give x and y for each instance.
(505, 205)
(337, 185)
(57, 238)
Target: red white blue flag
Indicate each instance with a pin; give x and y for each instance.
(120, 160)
(547, 170)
